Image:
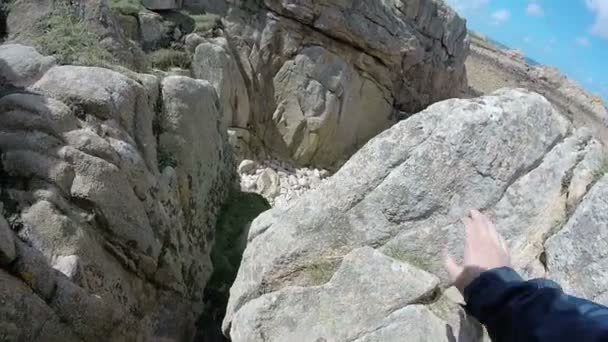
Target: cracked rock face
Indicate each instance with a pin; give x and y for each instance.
(323, 77)
(111, 186)
(510, 154)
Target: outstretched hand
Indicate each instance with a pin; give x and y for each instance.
(484, 250)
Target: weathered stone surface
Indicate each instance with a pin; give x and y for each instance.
(214, 62)
(268, 184)
(108, 95)
(509, 153)
(190, 140)
(324, 76)
(576, 254)
(113, 230)
(367, 287)
(23, 65)
(154, 32)
(26, 317)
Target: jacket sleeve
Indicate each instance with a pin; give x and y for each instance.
(532, 311)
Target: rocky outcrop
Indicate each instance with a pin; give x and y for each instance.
(27, 20)
(213, 61)
(323, 77)
(23, 65)
(360, 257)
(111, 186)
(490, 67)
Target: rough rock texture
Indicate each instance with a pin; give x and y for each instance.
(325, 76)
(490, 68)
(111, 186)
(213, 61)
(382, 285)
(23, 65)
(510, 154)
(576, 255)
(154, 33)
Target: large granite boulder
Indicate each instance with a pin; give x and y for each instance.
(23, 65)
(213, 61)
(323, 77)
(319, 265)
(111, 186)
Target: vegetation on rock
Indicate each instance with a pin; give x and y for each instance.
(205, 22)
(66, 36)
(165, 59)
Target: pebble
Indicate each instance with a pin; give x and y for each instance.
(292, 182)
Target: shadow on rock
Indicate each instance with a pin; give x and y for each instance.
(230, 242)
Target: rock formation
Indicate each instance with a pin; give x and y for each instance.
(110, 189)
(324, 76)
(359, 258)
(490, 68)
(121, 216)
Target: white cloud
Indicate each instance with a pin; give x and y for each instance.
(535, 10)
(600, 9)
(583, 41)
(501, 16)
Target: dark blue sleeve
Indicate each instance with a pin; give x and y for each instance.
(532, 311)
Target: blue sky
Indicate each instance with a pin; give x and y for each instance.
(569, 34)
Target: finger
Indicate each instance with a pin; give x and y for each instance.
(469, 227)
(478, 218)
(454, 270)
(470, 236)
(503, 243)
(492, 230)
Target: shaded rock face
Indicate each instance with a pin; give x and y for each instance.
(110, 186)
(319, 265)
(323, 77)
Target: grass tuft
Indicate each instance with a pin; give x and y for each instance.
(67, 37)
(166, 59)
(407, 257)
(320, 272)
(205, 22)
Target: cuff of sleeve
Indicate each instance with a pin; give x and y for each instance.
(489, 289)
